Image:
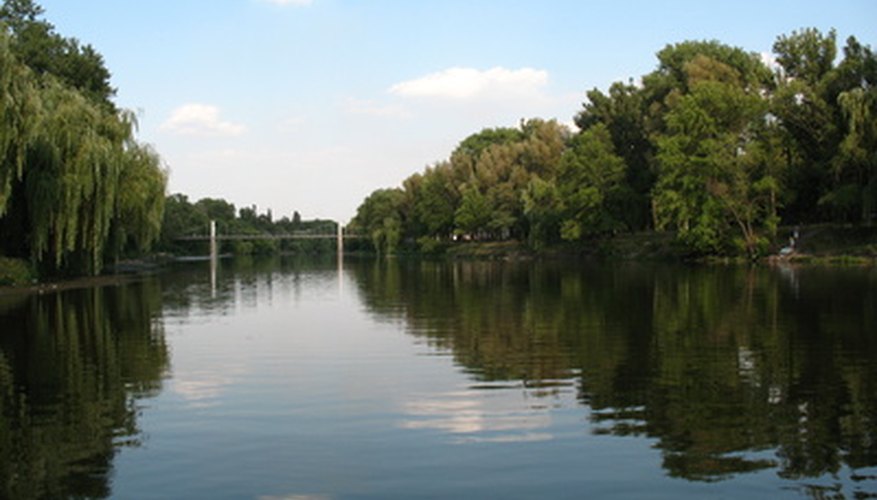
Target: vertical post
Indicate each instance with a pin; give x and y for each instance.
(213, 258)
(213, 252)
(340, 244)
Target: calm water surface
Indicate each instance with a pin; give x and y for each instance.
(285, 379)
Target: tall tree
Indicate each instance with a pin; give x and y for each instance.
(75, 186)
(20, 108)
(37, 45)
(806, 55)
(623, 111)
(379, 217)
(707, 182)
(590, 181)
(825, 110)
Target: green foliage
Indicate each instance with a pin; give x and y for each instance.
(141, 199)
(183, 218)
(625, 113)
(474, 215)
(806, 55)
(714, 145)
(590, 176)
(434, 199)
(474, 145)
(380, 217)
(827, 112)
(35, 43)
(707, 181)
(704, 362)
(429, 245)
(98, 351)
(19, 111)
(15, 272)
(543, 208)
(75, 187)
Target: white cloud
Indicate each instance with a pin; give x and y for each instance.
(200, 120)
(467, 83)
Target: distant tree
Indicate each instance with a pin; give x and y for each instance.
(181, 218)
(218, 210)
(380, 218)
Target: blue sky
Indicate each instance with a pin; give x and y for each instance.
(312, 105)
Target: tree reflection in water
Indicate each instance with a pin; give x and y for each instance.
(73, 366)
(729, 369)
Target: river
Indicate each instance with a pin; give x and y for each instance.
(301, 379)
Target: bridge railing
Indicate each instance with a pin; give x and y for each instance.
(268, 236)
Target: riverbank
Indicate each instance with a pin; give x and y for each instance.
(817, 244)
(17, 278)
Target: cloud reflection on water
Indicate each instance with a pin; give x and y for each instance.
(478, 417)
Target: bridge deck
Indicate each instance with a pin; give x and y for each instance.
(266, 236)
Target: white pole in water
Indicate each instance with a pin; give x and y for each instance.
(213, 252)
(340, 244)
(213, 258)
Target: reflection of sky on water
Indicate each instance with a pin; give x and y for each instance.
(342, 387)
(297, 496)
(202, 388)
(473, 416)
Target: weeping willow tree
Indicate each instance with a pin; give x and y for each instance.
(76, 186)
(140, 199)
(19, 105)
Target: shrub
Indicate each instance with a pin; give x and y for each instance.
(15, 272)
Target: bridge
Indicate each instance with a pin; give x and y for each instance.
(340, 235)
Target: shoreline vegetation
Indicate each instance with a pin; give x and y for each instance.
(823, 244)
(718, 147)
(717, 155)
(820, 245)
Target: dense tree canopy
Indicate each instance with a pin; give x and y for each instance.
(76, 188)
(714, 144)
(36, 44)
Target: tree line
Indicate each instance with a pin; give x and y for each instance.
(76, 188)
(715, 144)
(184, 218)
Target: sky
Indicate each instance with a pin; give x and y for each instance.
(311, 105)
